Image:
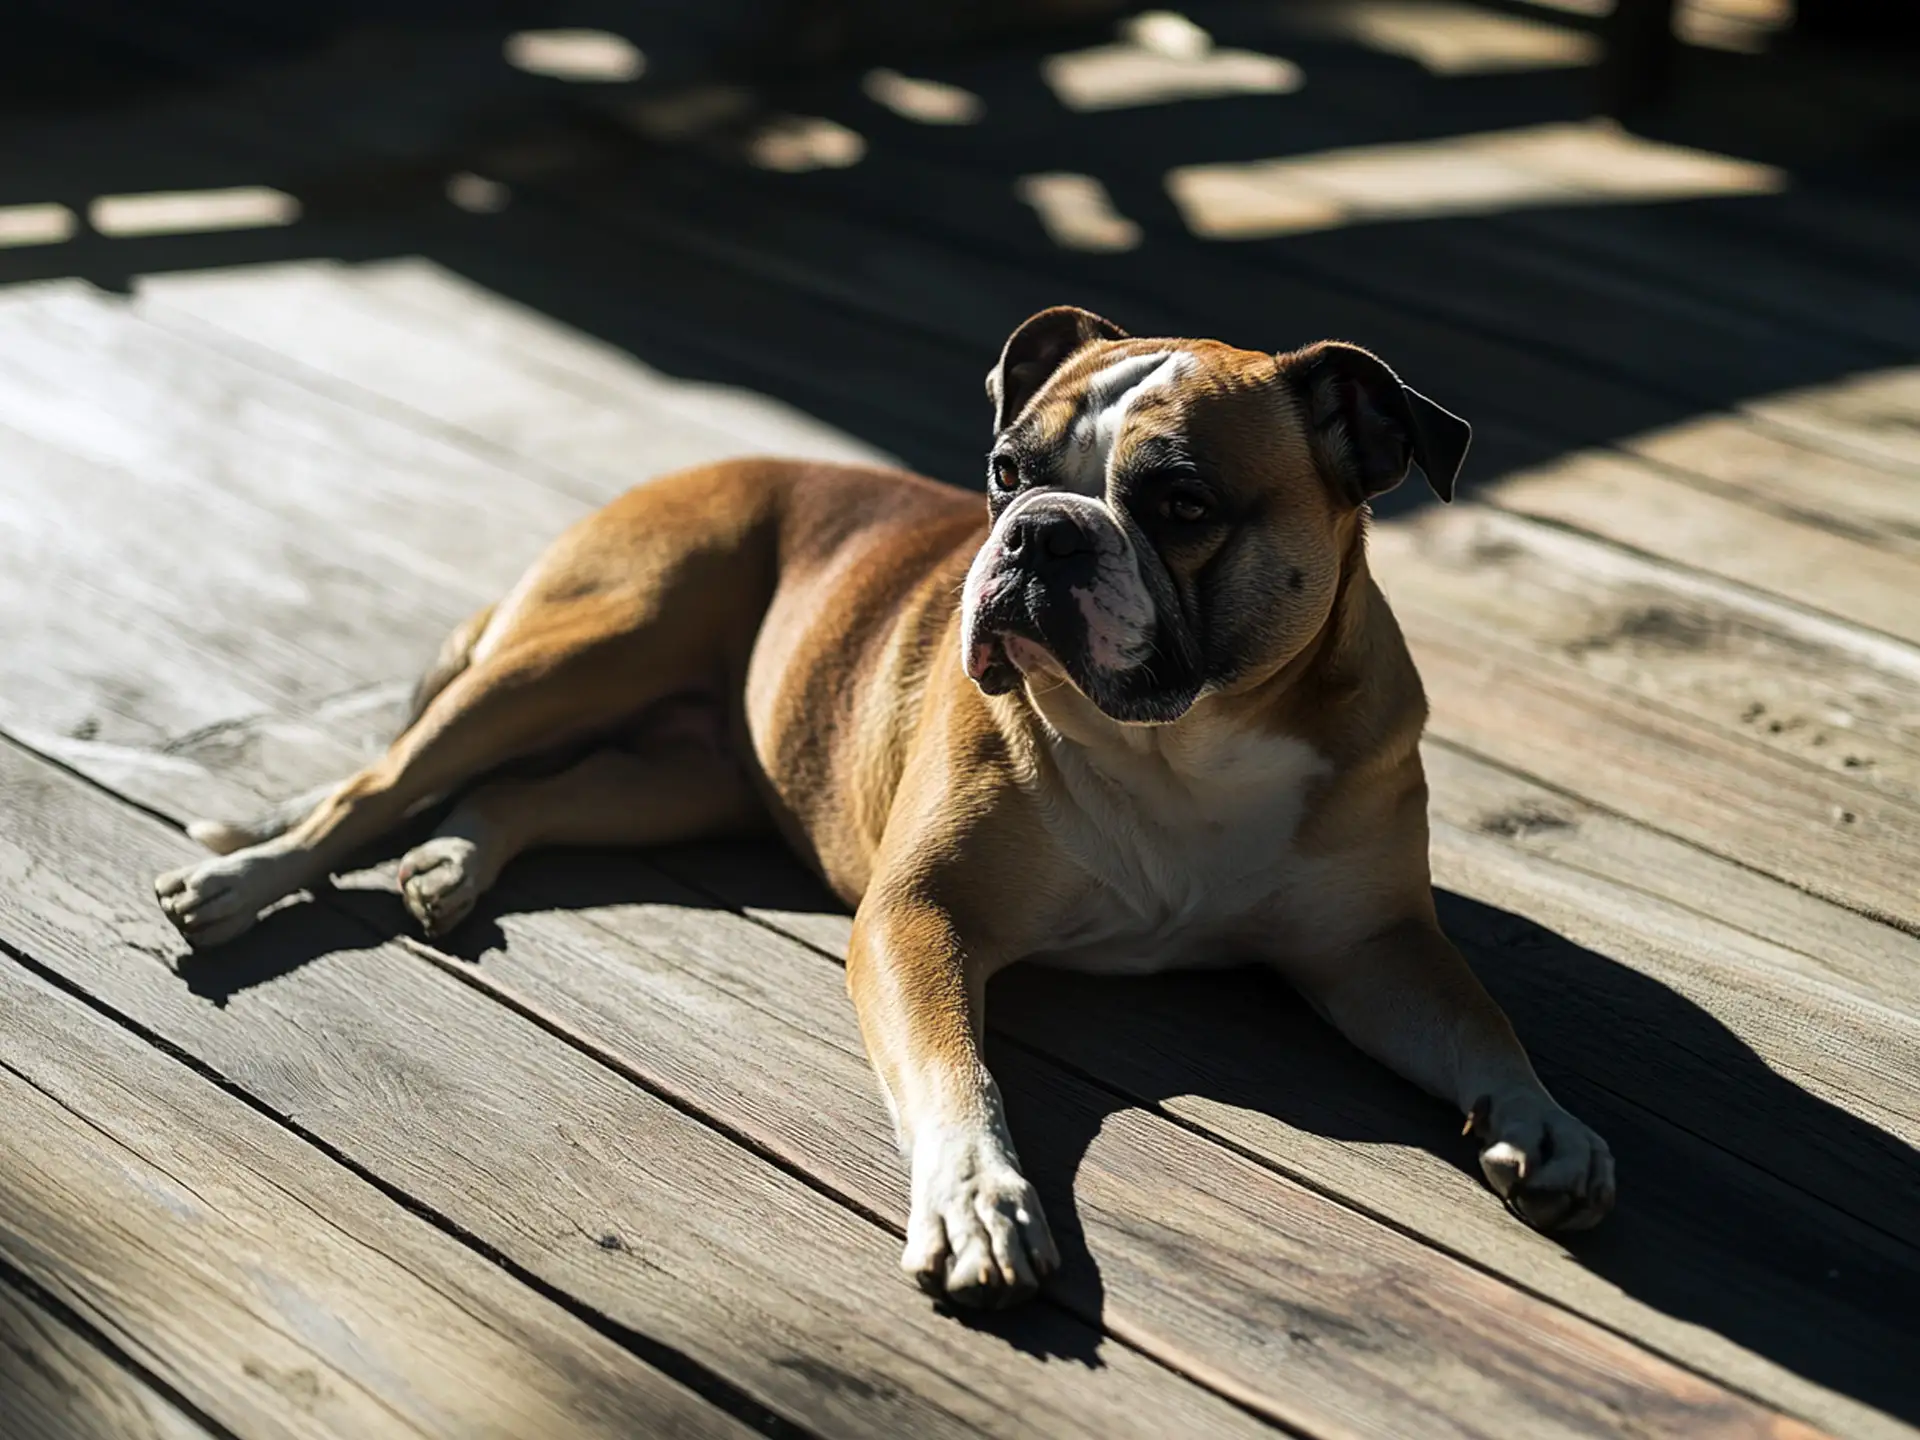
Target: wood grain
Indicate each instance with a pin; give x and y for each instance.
(1755, 466)
(1192, 1324)
(1735, 265)
(1710, 1259)
(1635, 505)
(59, 1386)
(1624, 754)
(606, 1193)
(1291, 1303)
(410, 336)
(1824, 695)
(1811, 938)
(266, 1284)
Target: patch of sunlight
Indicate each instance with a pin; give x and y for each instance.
(1742, 26)
(588, 57)
(476, 194)
(1589, 163)
(1448, 38)
(1161, 57)
(927, 102)
(1077, 213)
(188, 212)
(796, 143)
(36, 225)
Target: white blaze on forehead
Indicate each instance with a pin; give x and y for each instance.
(1111, 393)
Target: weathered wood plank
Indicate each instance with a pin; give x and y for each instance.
(602, 1191)
(1663, 339)
(1823, 694)
(1710, 1260)
(1734, 262)
(59, 1386)
(1869, 415)
(81, 373)
(1757, 467)
(1635, 504)
(270, 1287)
(407, 333)
(855, 1082)
(1624, 754)
(1810, 937)
(757, 1031)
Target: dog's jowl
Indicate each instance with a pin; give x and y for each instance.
(1146, 708)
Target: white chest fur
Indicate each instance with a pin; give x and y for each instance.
(1185, 851)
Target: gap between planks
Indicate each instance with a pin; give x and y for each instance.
(1124, 1394)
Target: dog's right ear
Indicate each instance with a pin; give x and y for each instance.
(1037, 349)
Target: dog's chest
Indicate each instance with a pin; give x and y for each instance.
(1180, 865)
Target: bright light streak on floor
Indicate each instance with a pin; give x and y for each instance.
(797, 143)
(186, 212)
(1564, 164)
(1162, 57)
(36, 225)
(1449, 39)
(1077, 213)
(588, 57)
(927, 102)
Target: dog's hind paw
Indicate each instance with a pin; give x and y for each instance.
(218, 900)
(440, 882)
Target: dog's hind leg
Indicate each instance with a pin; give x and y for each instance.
(652, 597)
(655, 795)
(561, 684)
(456, 653)
(223, 837)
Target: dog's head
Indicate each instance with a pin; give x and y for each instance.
(1170, 517)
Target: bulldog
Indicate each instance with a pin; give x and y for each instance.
(1145, 710)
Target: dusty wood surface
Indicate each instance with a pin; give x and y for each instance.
(560, 1168)
(259, 1280)
(60, 1386)
(609, 1159)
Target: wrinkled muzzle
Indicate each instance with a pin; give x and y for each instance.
(1059, 586)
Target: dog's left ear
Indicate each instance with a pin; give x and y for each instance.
(1038, 348)
(1367, 427)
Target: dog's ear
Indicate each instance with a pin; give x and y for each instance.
(1367, 427)
(1037, 349)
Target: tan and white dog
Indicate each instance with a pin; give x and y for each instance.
(1149, 710)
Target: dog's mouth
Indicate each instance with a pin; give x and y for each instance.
(999, 661)
(1007, 647)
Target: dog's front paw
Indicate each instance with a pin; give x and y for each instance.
(1553, 1172)
(977, 1234)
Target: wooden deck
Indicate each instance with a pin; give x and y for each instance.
(611, 1162)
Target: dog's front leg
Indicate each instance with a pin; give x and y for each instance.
(1407, 997)
(976, 1232)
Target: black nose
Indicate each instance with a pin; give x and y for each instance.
(1046, 540)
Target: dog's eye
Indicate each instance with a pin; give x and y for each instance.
(1185, 506)
(1005, 475)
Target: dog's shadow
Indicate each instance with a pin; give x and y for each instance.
(1749, 1206)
